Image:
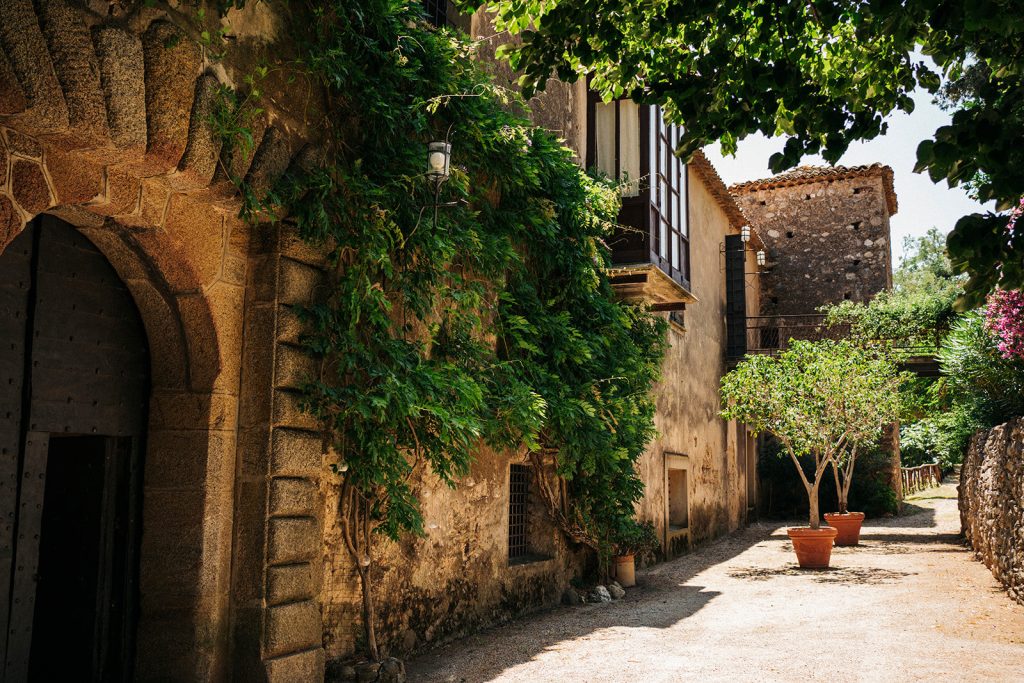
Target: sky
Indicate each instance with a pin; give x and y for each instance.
(922, 203)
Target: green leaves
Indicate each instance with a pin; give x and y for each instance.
(823, 74)
(493, 324)
(818, 398)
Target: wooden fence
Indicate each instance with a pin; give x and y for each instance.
(920, 477)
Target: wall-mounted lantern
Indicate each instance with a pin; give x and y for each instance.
(761, 257)
(745, 234)
(439, 157)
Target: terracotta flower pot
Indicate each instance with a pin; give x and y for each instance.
(847, 525)
(813, 547)
(625, 570)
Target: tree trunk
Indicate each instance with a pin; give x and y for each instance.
(354, 510)
(839, 488)
(844, 502)
(368, 621)
(812, 500)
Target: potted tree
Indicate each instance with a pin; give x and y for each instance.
(847, 524)
(631, 539)
(819, 399)
(871, 401)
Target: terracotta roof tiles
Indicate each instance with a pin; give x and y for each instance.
(815, 174)
(716, 186)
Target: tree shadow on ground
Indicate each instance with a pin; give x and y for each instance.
(912, 516)
(832, 575)
(924, 539)
(662, 598)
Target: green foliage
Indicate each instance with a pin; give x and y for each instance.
(822, 74)
(824, 399)
(635, 538)
(919, 309)
(782, 495)
(872, 492)
(231, 120)
(941, 437)
(488, 320)
(815, 397)
(987, 386)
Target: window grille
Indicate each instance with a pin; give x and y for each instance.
(437, 12)
(518, 511)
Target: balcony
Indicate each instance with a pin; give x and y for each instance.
(649, 258)
(650, 247)
(772, 334)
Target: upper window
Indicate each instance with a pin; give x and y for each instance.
(437, 12)
(635, 145)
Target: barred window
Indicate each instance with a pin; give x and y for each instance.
(437, 12)
(518, 512)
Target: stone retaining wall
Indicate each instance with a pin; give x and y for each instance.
(992, 502)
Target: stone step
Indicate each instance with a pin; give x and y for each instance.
(122, 79)
(25, 47)
(77, 69)
(172, 64)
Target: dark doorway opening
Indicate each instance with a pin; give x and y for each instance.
(73, 386)
(84, 585)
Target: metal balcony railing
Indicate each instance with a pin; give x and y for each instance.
(773, 334)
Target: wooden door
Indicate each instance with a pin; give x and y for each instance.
(73, 388)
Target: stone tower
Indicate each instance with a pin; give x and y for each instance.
(826, 231)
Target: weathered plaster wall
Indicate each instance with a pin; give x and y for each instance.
(992, 502)
(688, 399)
(826, 240)
(455, 579)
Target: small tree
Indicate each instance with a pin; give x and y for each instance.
(871, 400)
(824, 399)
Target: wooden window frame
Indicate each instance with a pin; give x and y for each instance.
(645, 212)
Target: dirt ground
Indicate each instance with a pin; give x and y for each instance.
(909, 604)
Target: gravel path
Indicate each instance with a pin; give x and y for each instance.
(909, 604)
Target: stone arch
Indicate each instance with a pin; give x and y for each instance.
(94, 146)
(185, 445)
(105, 123)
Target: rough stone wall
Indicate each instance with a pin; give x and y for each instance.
(278, 540)
(561, 108)
(688, 399)
(826, 240)
(457, 578)
(992, 502)
(104, 122)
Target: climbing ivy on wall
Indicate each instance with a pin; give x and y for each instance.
(488, 321)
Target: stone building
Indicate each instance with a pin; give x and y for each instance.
(152, 369)
(826, 230)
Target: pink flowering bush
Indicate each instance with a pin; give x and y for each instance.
(1004, 316)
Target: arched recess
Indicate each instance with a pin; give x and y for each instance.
(187, 483)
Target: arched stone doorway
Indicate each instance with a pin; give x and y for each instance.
(75, 363)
